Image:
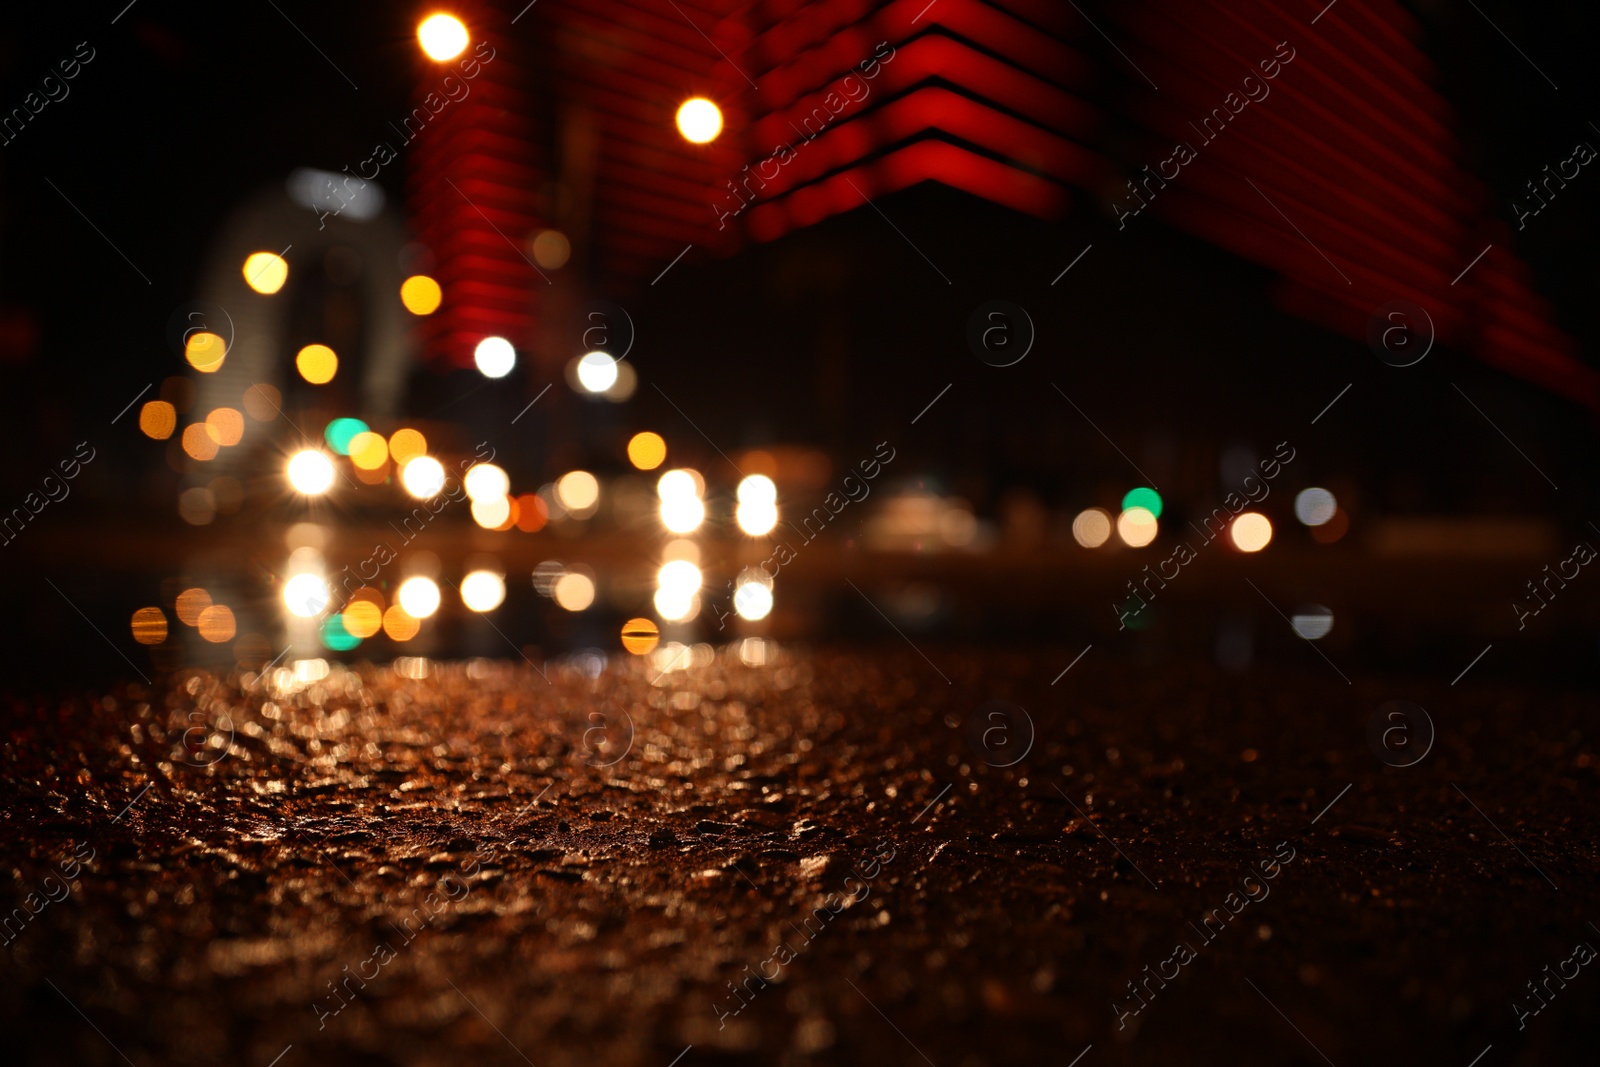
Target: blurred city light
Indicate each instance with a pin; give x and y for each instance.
(265, 272)
(1092, 528)
(422, 477)
(597, 372)
(421, 295)
(305, 595)
(341, 432)
(646, 451)
(485, 481)
(1251, 532)
(551, 249)
(1137, 527)
(699, 120)
(639, 636)
(757, 512)
(491, 512)
(573, 591)
(310, 472)
(578, 492)
(158, 419)
(418, 597)
(398, 625)
(495, 357)
(682, 514)
(483, 590)
(406, 445)
(1312, 622)
(442, 37)
(363, 618)
(225, 426)
(1143, 497)
(190, 603)
(149, 626)
(1314, 507)
(317, 364)
(752, 596)
(368, 451)
(205, 351)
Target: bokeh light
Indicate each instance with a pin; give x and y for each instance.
(340, 432)
(317, 364)
(216, 624)
(483, 590)
(597, 372)
(398, 625)
(418, 597)
(1143, 497)
(150, 626)
(640, 636)
(262, 402)
(1312, 622)
(422, 477)
(1314, 507)
(197, 443)
(578, 491)
(406, 445)
(495, 357)
(368, 450)
(442, 37)
(197, 506)
(551, 249)
(1251, 532)
(647, 451)
(205, 351)
(421, 295)
(682, 514)
(311, 472)
(573, 591)
(305, 595)
(190, 603)
(158, 419)
(699, 120)
(265, 272)
(1092, 528)
(362, 618)
(225, 426)
(491, 512)
(752, 598)
(1137, 527)
(532, 514)
(1337, 526)
(336, 636)
(485, 481)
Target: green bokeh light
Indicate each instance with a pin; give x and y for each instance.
(336, 637)
(340, 431)
(1143, 497)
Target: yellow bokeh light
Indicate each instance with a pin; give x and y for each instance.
(317, 364)
(1251, 532)
(421, 294)
(406, 445)
(216, 624)
(190, 603)
(442, 37)
(398, 625)
(205, 351)
(1092, 528)
(225, 426)
(158, 419)
(699, 120)
(1137, 527)
(647, 450)
(198, 443)
(368, 450)
(265, 272)
(149, 626)
(363, 618)
(574, 591)
(262, 402)
(551, 249)
(640, 636)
